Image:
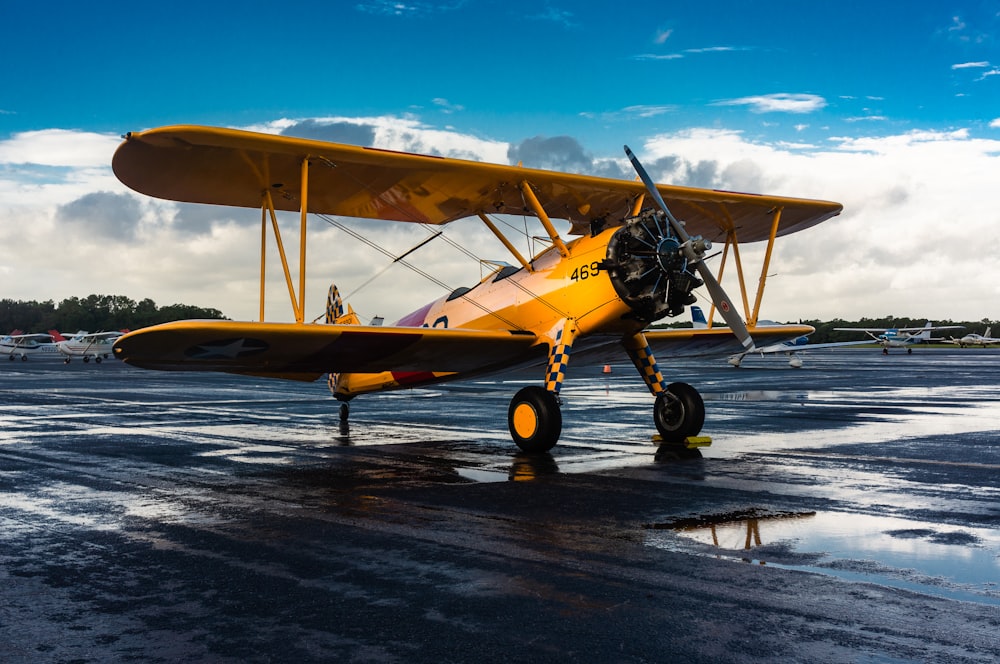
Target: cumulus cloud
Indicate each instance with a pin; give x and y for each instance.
(915, 222)
(104, 214)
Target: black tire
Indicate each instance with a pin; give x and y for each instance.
(534, 419)
(345, 411)
(24, 358)
(678, 413)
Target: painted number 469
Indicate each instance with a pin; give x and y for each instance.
(585, 271)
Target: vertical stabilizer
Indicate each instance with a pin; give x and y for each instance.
(698, 321)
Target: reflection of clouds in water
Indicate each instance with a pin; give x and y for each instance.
(879, 548)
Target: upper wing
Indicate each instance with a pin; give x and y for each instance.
(295, 350)
(690, 342)
(231, 167)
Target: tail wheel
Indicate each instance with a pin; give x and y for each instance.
(679, 412)
(534, 419)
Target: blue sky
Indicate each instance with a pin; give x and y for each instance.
(892, 108)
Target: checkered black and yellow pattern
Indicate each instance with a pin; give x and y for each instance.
(334, 305)
(642, 358)
(558, 358)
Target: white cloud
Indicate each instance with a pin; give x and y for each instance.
(59, 147)
(916, 238)
(971, 65)
(917, 235)
(779, 103)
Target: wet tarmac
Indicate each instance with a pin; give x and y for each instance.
(848, 511)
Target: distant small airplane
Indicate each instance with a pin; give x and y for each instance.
(973, 339)
(900, 337)
(97, 345)
(790, 347)
(17, 344)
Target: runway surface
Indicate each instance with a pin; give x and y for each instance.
(848, 511)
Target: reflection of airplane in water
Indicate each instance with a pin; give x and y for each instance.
(19, 345)
(789, 347)
(736, 531)
(97, 345)
(900, 337)
(589, 298)
(973, 339)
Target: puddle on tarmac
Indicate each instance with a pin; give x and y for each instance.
(949, 561)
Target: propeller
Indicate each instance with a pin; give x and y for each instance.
(693, 250)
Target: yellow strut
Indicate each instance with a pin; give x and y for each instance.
(503, 238)
(300, 313)
(544, 218)
(269, 204)
(263, 255)
(763, 270)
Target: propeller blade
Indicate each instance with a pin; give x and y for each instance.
(715, 289)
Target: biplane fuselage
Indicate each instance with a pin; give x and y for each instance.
(516, 299)
(593, 296)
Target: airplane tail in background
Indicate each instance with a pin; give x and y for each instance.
(335, 315)
(698, 321)
(56, 336)
(987, 332)
(925, 334)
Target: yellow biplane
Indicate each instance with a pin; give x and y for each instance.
(595, 295)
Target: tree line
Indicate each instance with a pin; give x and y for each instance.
(825, 332)
(94, 313)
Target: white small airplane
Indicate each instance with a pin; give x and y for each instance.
(789, 347)
(97, 345)
(900, 337)
(17, 344)
(973, 339)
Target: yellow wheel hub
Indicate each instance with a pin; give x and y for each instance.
(525, 420)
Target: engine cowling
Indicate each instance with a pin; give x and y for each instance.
(648, 268)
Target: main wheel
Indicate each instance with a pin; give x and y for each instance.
(534, 419)
(679, 412)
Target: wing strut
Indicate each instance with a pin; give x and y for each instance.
(731, 239)
(507, 243)
(767, 262)
(267, 206)
(529, 195)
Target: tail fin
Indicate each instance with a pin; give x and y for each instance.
(987, 332)
(56, 336)
(335, 315)
(925, 334)
(698, 318)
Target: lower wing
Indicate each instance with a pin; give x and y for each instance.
(306, 352)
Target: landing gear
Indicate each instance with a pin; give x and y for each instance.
(679, 412)
(534, 419)
(345, 411)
